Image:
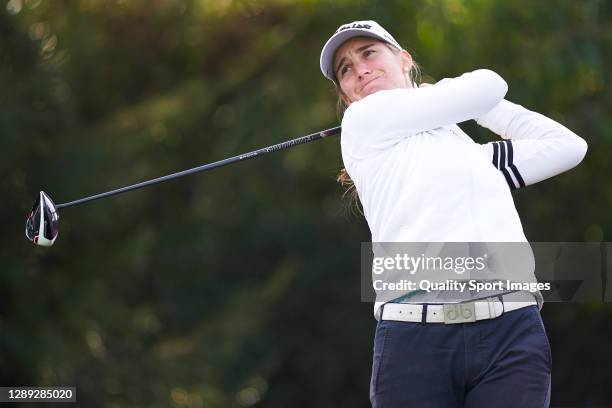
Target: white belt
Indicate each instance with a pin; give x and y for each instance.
(488, 308)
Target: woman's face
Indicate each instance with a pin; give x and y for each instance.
(365, 65)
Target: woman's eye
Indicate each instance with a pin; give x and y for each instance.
(344, 70)
(367, 53)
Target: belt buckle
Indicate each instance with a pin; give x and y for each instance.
(459, 312)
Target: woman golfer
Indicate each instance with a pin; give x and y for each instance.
(420, 178)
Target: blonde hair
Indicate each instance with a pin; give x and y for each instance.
(414, 75)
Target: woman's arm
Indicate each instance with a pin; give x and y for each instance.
(536, 147)
(381, 119)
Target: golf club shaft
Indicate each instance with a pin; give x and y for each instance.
(210, 166)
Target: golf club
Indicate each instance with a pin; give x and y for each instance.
(42, 225)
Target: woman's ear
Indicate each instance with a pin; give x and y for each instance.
(406, 60)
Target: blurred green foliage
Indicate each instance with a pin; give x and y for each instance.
(240, 287)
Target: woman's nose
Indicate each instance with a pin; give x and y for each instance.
(363, 69)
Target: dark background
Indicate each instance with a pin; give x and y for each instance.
(240, 287)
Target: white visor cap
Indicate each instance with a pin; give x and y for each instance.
(367, 28)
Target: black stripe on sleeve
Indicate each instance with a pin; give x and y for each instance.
(495, 161)
(502, 155)
(517, 175)
(503, 160)
(503, 168)
(511, 165)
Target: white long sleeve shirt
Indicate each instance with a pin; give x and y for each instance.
(420, 178)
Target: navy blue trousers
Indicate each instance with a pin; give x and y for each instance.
(502, 362)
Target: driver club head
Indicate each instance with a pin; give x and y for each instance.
(42, 225)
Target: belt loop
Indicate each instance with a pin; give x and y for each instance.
(424, 314)
(501, 299)
(382, 310)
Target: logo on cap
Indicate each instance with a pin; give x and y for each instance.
(353, 25)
